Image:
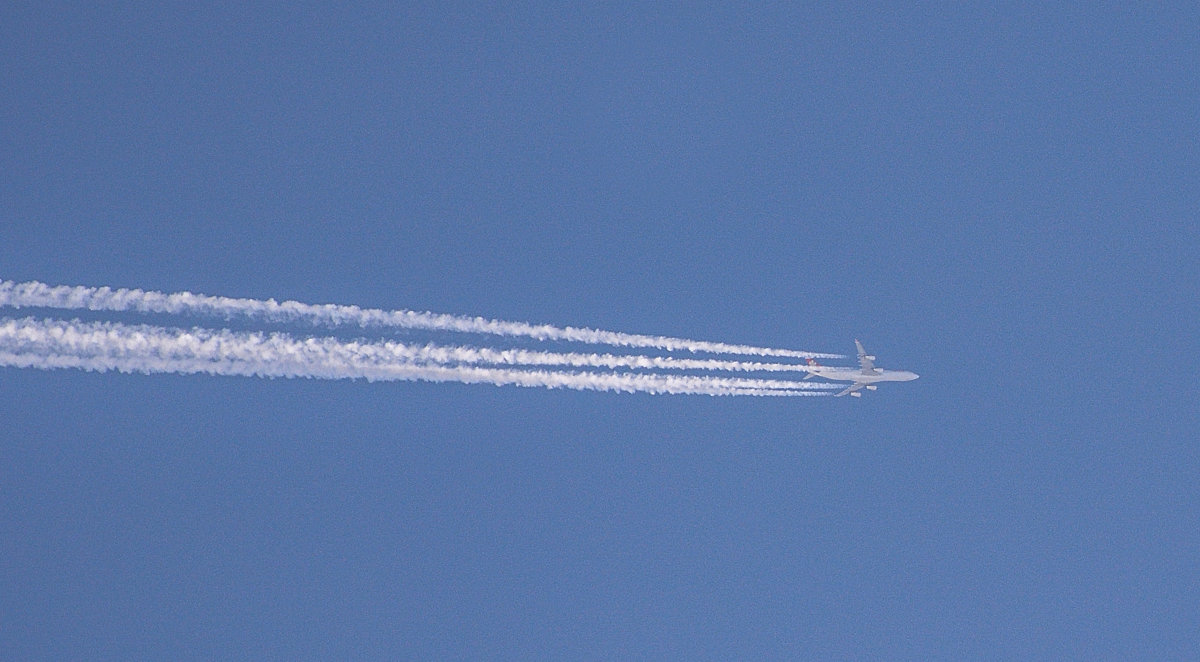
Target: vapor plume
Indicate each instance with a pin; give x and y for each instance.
(110, 346)
(41, 295)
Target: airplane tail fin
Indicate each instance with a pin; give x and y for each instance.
(812, 362)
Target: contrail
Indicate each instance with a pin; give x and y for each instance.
(41, 295)
(460, 354)
(104, 346)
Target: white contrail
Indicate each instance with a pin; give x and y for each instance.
(524, 357)
(103, 346)
(36, 294)
(387, 352)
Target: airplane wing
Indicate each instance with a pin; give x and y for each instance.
(865, 361)
(856, 386)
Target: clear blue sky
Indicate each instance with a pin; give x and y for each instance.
(1004, 200)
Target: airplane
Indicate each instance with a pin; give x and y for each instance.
(865, 376)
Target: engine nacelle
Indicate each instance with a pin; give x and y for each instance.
(872, 387)
(869, 357)
(856, 394)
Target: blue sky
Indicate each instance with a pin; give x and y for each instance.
(1003, 200)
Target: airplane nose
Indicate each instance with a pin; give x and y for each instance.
(914, 376)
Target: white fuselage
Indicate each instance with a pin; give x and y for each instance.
(857, 375)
